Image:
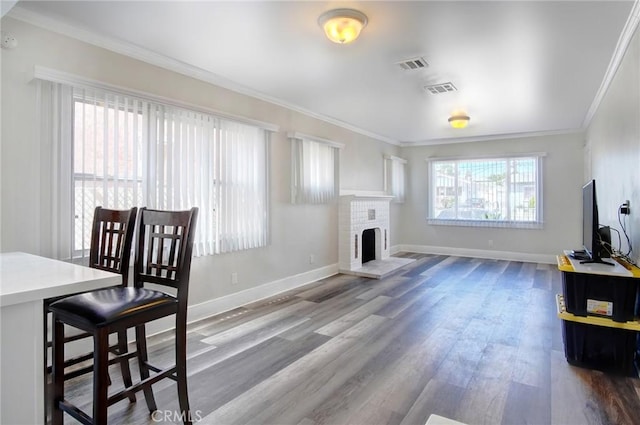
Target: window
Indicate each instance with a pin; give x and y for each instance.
(394, 169)
(314, 170)
(126, 151)
(496, 192)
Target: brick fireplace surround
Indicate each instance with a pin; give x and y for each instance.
(358, 213)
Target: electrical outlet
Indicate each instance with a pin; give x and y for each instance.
(312, 259)
(624, 208)
(8, 41)
(234, 278)
(490, 243)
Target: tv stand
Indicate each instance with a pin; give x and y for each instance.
(600, 327)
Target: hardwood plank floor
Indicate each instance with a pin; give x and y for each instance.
(477, 341)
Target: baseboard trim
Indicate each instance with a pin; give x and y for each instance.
(395, 249)
(479, 253)
(238, 299)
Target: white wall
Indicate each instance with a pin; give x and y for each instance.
(613, 147)
(562, 183)
(296, 230)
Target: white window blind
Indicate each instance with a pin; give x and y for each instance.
(121, 151)
(314, 177)
(395, 177)
(241, 212)
(494, 192)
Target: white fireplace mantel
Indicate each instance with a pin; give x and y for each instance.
(359, 212)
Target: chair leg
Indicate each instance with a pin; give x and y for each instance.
(181, 370)
(143, 358)
(100, 375)
(56, 392)
(124, 363)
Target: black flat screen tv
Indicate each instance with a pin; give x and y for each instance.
(591, 240)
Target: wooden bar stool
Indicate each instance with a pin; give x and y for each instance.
(111, 238)
(163, 257)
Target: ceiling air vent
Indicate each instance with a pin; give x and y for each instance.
(413, 64)
(440, 88)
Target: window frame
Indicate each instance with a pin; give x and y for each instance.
(503, 223)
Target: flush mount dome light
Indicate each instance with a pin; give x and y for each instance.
(342, 26)
(459, 120)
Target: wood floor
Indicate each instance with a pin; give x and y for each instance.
(473, 340)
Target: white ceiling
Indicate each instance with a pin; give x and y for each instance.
(520, 67)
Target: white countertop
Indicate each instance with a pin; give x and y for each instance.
(26, 277)
(25, 280)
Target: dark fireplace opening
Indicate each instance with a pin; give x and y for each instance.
(368, 245)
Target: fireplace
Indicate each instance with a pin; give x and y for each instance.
(369, 244)
(364, 242)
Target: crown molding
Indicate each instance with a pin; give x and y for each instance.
(490, 137)
(162, 61)
(624, 40)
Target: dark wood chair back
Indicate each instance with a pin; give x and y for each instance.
(111, 239)
(165, 245)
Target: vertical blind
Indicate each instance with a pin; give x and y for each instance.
(125, 151)
(241, 215)
(314, 177)
(106, 161)
(395, 177)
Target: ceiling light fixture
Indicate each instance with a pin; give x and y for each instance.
(342, 26)
(459, 120)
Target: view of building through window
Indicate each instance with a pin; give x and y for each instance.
(503, 189)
